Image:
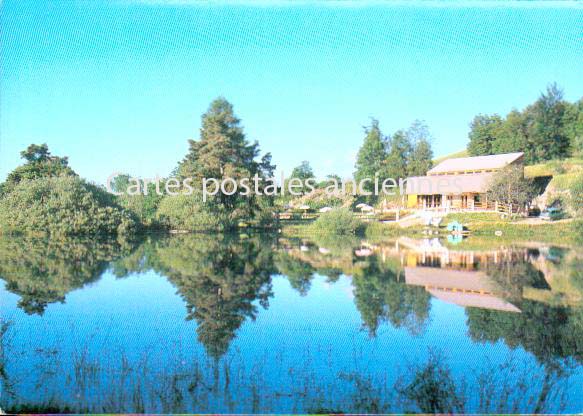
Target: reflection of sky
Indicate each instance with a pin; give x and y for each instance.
(319, 334)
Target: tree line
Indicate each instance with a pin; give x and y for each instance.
(549, 128)
(46, 195)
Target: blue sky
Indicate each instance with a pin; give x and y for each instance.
(120, 86)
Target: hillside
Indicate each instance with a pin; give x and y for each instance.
(461, 153)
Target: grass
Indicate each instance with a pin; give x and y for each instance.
(461, 153)
(554, 168)
(482, 225)
(563, 232)
(472, 217)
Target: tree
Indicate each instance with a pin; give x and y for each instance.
(573, 126)
(421, 157)
(39, 164)
(509, 186)
(547, 136)
(143, 206)
(549, 128)
(381, 296)
(303, 171)
(371, 158)
(399, 154)
(484, 131)
(222, 280)
(224, 152)
(513, 134)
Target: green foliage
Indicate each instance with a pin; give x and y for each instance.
(421, 159)
(400, 149)
(39, 164)
(576, 191)
(573, 126)
(406, 153)
(509, 186)
(547, 129)
(339, 221)
(65, 205)
(303, 171)
(224, 152)
(43, 271)
(144, 207)
(484, 130)
(432, 389)
(221, 279)
(381, 296)
(298, 272)
(190, 213)
(371, 158)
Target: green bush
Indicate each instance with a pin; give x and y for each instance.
(577, 194)
(190, 213)
(64, 205)
(144, 207)
(340, 221)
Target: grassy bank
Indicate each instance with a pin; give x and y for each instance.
(483, 225)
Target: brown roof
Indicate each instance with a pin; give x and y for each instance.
(448, 184)
(462, 164)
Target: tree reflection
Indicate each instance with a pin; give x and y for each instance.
(43, 271)
(298, 272)
(381, 295)
(431, 388)
(219, 278)
(548, 331)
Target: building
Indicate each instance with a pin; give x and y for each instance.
(458, 184)
(454, 276)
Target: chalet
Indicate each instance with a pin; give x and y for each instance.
(458, 184)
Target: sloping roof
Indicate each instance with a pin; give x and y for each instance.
(475, 163)
(448, 184)
(461, 287)
(448, 278)
(473, 300)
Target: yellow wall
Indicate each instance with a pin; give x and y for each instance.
(411, 200)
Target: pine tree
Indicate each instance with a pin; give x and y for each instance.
(224, 152)
(400, 150)
(371, 158)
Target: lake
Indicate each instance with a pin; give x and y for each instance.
(256, 323)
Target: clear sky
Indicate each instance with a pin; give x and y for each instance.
(121, 86)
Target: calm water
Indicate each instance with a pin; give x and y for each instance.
(262, 324)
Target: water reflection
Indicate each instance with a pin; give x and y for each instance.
(527, 298)
(43, 271)
(219, 279)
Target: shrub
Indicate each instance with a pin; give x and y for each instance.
(190, 213)
(65, 205)
(339, 221)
